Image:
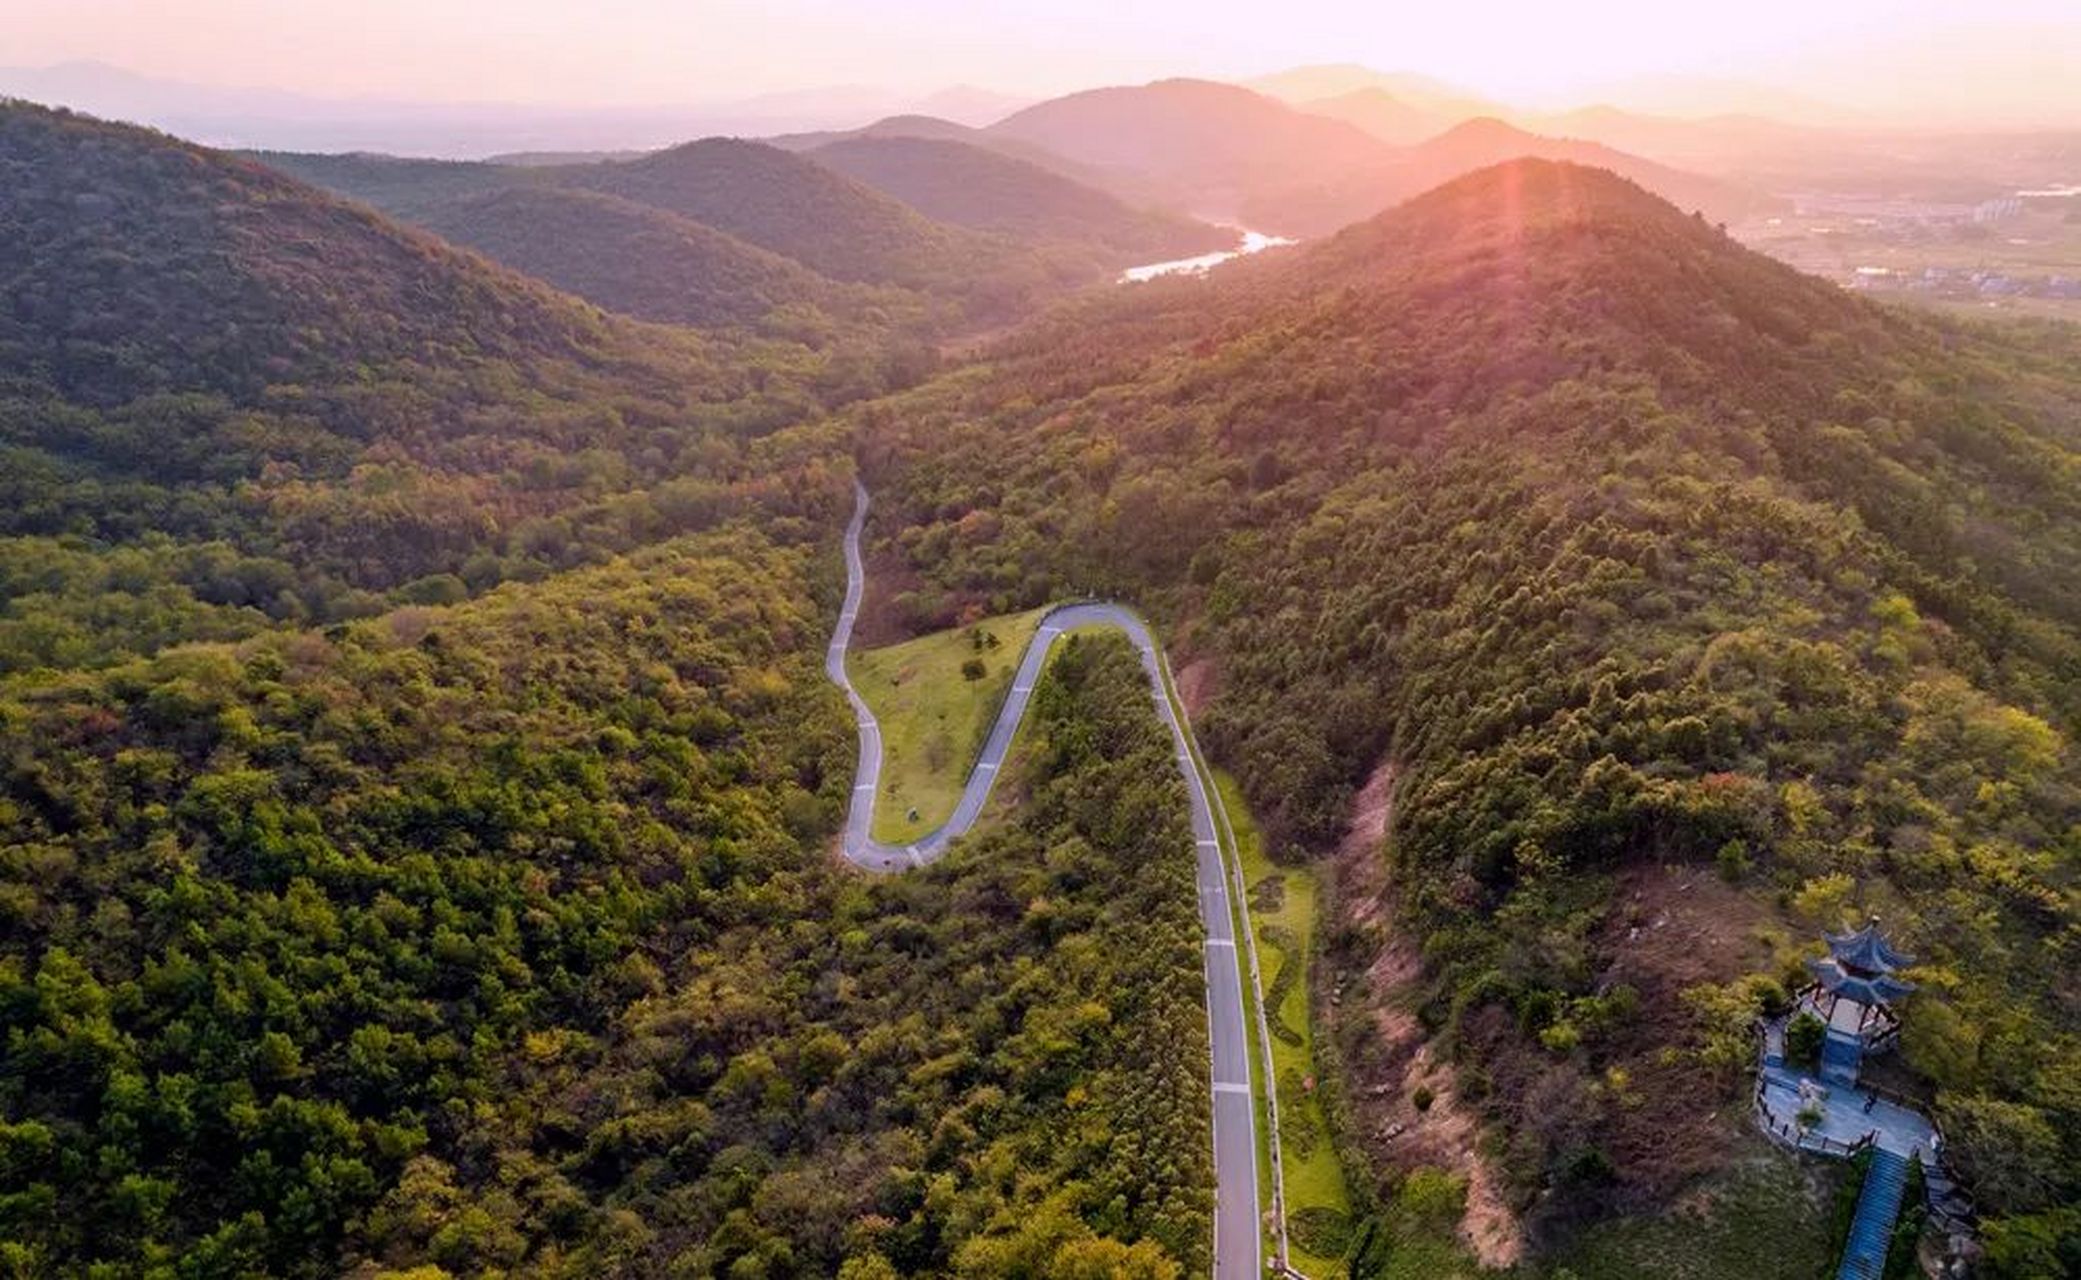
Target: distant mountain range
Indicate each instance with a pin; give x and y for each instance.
(1741, 133)
(285, 120)
(1235, 154)
(1206, 147)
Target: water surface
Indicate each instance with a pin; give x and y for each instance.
(1252, 242)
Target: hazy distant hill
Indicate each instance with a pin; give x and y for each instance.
(1208, 148)
(1380, 113)
(1249, 158)
(969, 186)
(1349, 196)
(285, 119)
(1439, 99)
(903, 126)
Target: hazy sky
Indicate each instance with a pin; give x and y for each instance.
(1995, 57)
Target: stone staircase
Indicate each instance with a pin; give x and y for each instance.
(1878, 1205)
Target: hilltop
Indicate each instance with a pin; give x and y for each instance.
(792, 206)
(1621, 558)
(1359, 193)
(1203, 147)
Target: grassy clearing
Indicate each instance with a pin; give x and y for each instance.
(933, 717)
(1282, 917)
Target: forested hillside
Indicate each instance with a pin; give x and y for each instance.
(417, 780)
(503, 937)
(404, 187)
(792, 206)
(759, 194)
(228, 401)
(731, 226)
(969, 186)
(1628, 548)
(659, 266)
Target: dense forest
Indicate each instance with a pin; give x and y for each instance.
(1627, 547)
(503, 937)
(655, 265)
(417, 779)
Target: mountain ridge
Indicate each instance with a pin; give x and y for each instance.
(779, 201)
(966, 185)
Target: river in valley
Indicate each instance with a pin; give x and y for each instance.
(1252, 242)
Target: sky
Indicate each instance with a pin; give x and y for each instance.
(1983, 59)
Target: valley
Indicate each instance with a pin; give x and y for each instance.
(1338, 750)
(1251, 242)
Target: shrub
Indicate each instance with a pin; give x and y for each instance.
(1322, 1231)
(1561, 1037)
(1431, 1198)
(1803, 1039)
(1734, 860)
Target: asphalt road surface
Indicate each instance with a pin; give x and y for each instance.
(1237, 1245)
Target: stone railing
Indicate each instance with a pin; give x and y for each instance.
(1790, 1134)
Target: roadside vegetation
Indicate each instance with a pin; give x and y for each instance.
(1281, 902)
(936, 698)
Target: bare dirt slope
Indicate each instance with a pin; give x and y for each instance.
(1387, 1053)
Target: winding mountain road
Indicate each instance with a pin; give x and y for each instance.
(1237, 1250)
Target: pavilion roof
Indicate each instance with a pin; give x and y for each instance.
(1875, 989)
(1866, 949)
